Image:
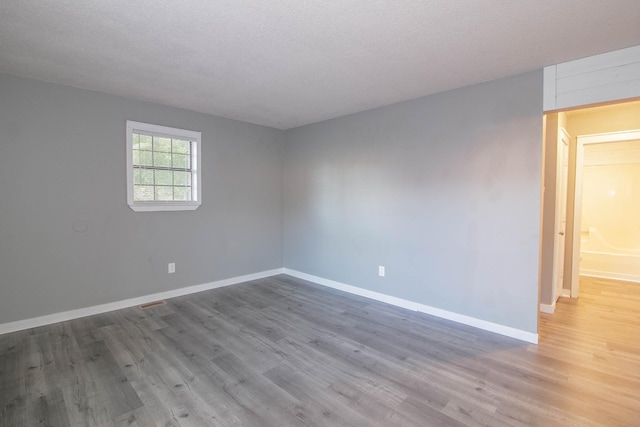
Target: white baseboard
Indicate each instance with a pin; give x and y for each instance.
(609, 275)
(103, 308)
(551, 308)
(410, 305)
(399, 302)
(548, 308)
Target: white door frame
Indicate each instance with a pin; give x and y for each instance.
(599, 138)
(559, 247)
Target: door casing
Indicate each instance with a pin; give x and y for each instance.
(577, 211)
(562, 179)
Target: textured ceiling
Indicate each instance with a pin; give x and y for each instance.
(286, 63)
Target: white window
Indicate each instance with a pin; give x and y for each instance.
(163, 168)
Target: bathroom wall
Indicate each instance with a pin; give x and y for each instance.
(611, 196)
(610, 226)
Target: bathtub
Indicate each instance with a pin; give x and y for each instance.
(598, 258)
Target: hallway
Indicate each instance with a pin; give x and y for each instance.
(596, 341)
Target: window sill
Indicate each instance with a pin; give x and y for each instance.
(163, 207)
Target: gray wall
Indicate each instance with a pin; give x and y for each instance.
(444, 191)
(62, 160)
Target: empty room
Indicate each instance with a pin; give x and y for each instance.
(285, 213)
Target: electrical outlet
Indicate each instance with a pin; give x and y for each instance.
(172, 267)
(381, 270)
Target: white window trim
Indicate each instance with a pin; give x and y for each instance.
(196, 180)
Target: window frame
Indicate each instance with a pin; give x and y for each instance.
(196, 174)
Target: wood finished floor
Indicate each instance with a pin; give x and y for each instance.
(283, 352)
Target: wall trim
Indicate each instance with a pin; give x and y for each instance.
(398, 302)
(131, 302)
(609, 275)
(582, 140)
(414, 306)
(551, 308)
(548, 308)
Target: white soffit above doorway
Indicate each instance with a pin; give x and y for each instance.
(601, 78)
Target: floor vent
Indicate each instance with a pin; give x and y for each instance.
(151, 305)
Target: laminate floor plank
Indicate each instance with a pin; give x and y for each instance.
(13, 405)
(314, 393)
(281, 351)
(363, 369)
(48, 409)
(178, 390)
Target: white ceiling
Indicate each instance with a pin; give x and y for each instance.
(286, 63)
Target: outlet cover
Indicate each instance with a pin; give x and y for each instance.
(381, 270)
(172, 267)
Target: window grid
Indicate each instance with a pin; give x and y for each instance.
(177, 155)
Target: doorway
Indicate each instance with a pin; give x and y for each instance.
(560, 279)
(607, 202)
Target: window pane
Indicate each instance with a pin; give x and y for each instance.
(142, 193)
(162, 144)
(162, 160)
(164, 177)
(181, 178)
(180, 146)
(141, 176)
(146, 176)
(180, 161)
(145, 142)
(136, 157)
(164, 193)
(182, 193)
(146, 158)
(136, 141)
